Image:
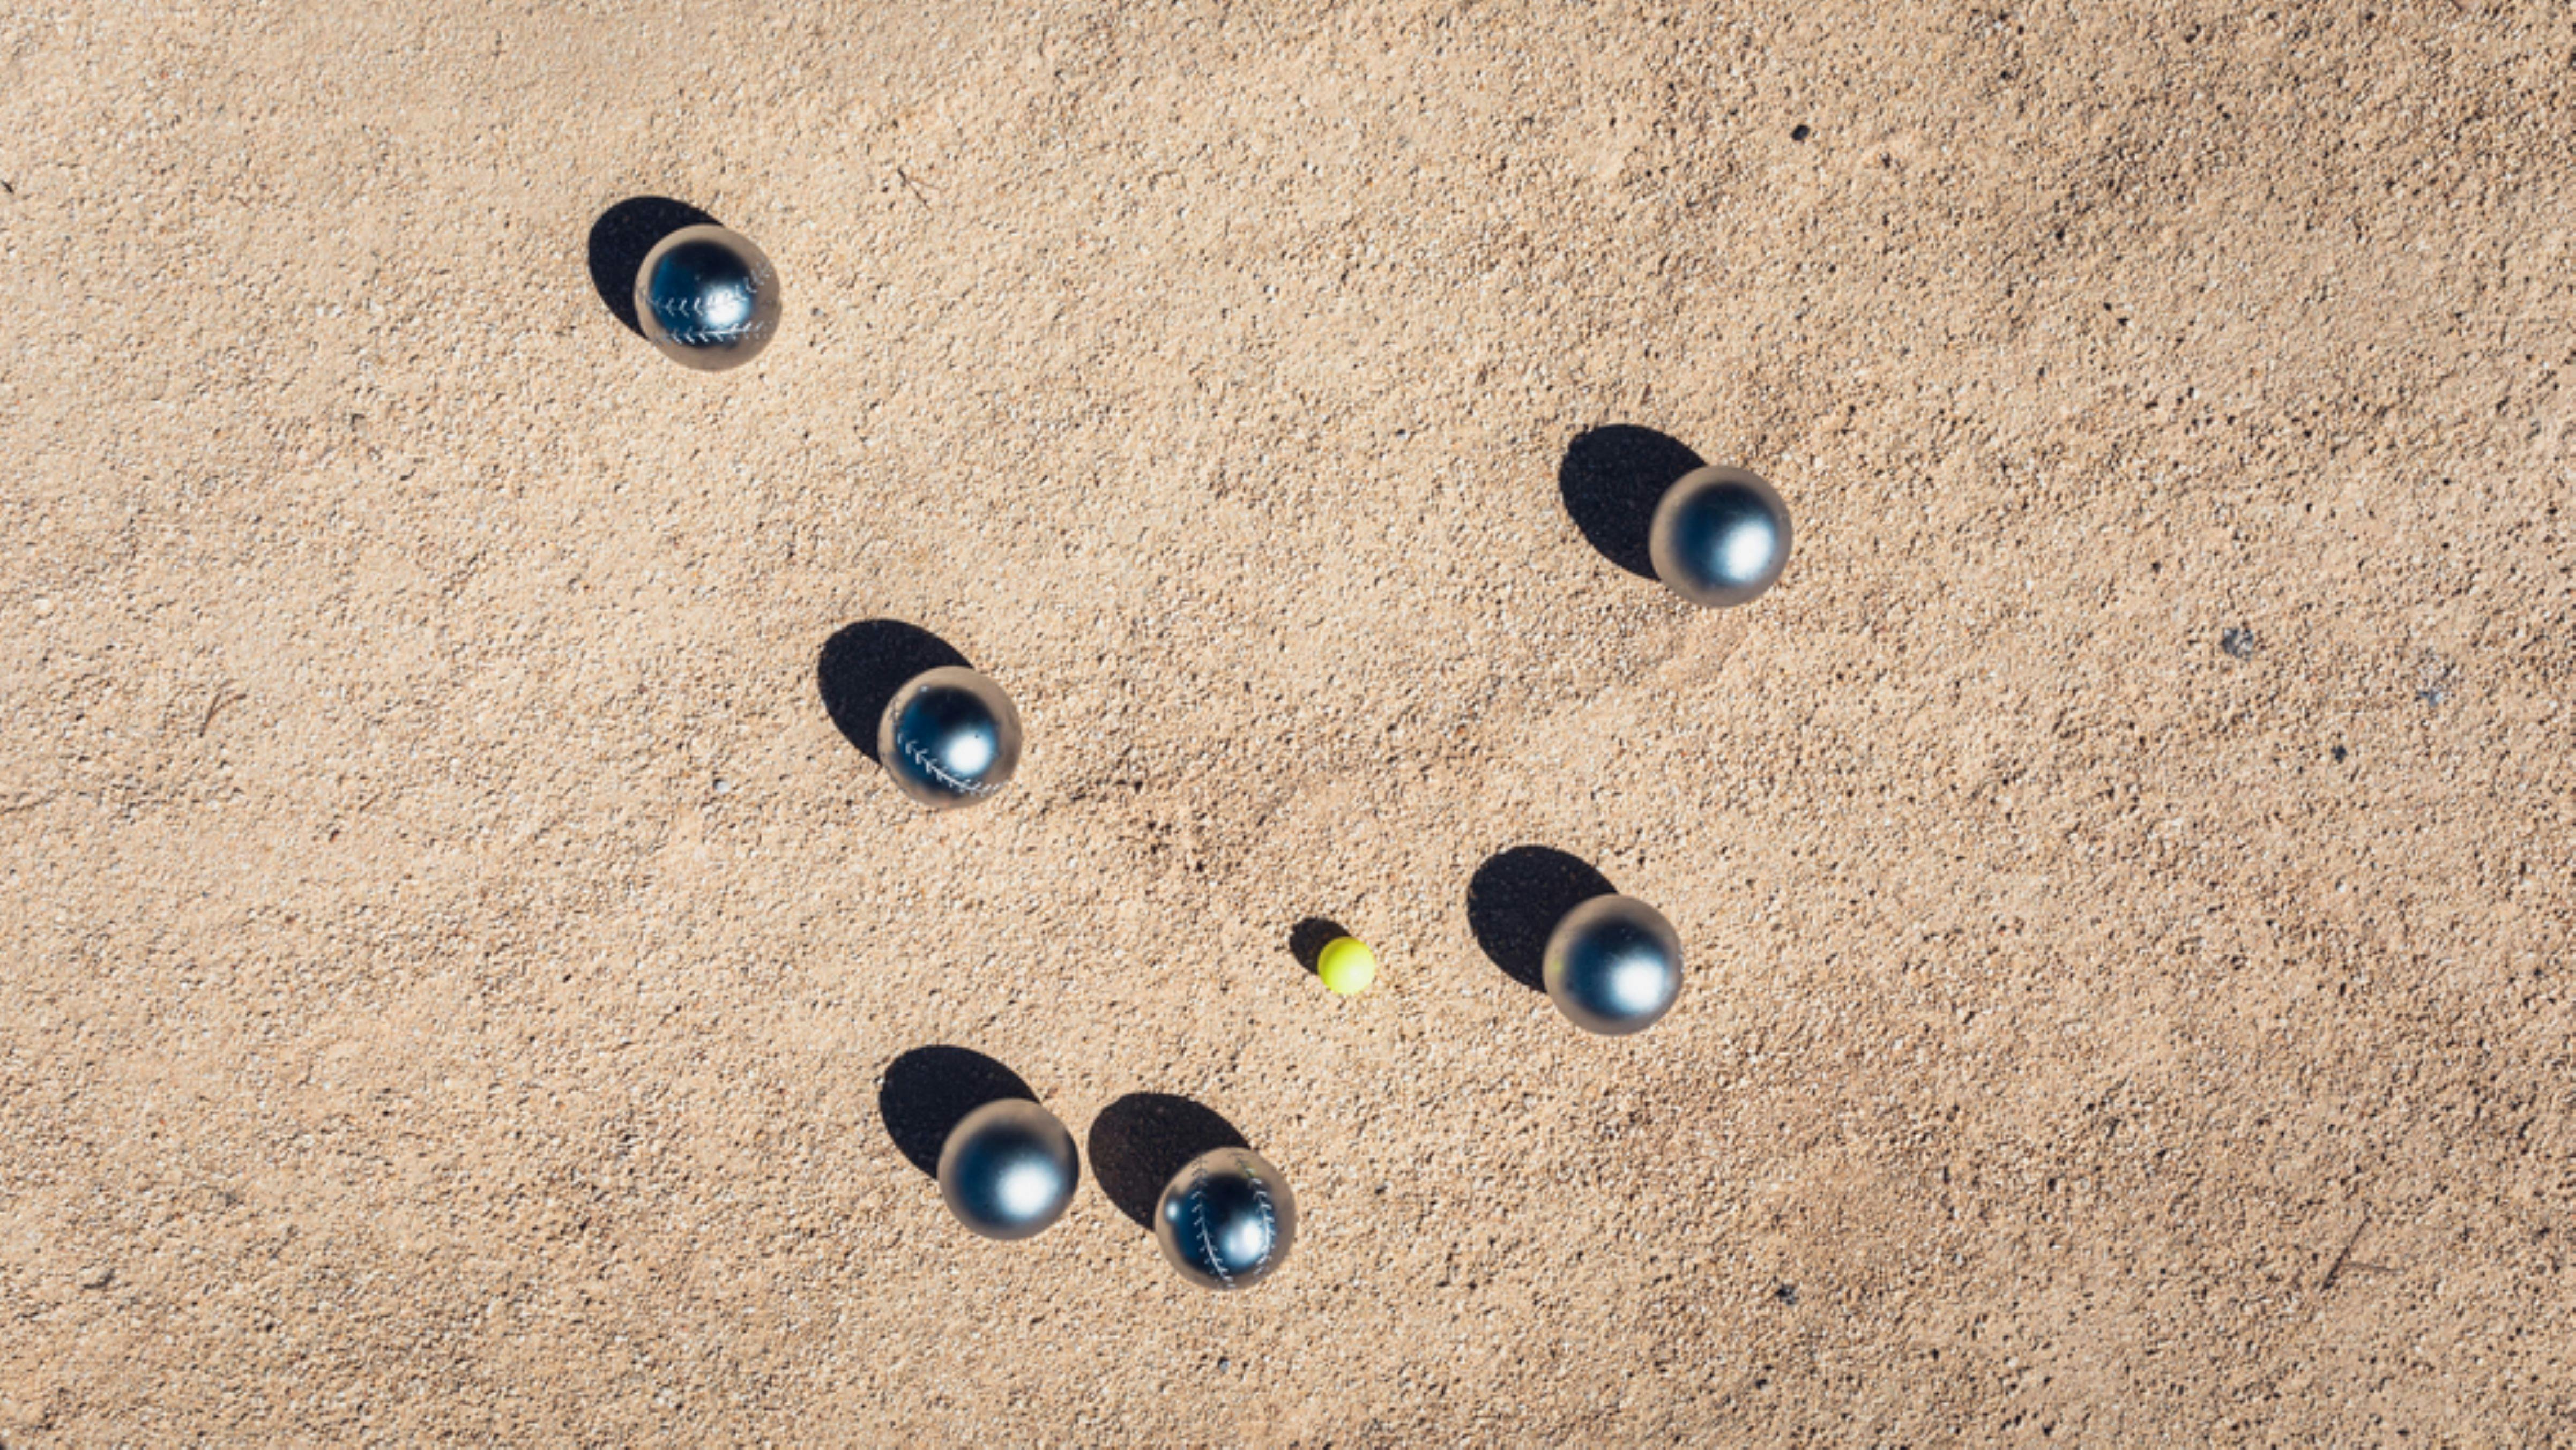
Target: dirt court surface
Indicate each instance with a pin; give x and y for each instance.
(462, 983)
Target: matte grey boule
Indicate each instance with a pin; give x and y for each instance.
(1008, 1169)
(1226, 1220)
(707, 298)
(1613, 965)
(949, 737)
(1720, 537)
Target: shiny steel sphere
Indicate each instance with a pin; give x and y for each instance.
(1008, 1169)
(1721, 536)
(949, 736)
(1226, 1220)
(1613, 965)
(707, 298)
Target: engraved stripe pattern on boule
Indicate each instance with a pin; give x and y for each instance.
(1269, 1222)
(931, 768)
(695, 309)
(1198, 1218)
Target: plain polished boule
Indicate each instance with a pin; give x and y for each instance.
(1008, 1169)
(1720, 537)
(1226, 1220)
(949, 737)
(1613, 965)
(707, 298)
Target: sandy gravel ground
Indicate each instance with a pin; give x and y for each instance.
(461, 983)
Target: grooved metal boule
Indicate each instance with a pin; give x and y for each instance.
(707, 298)
(1226, 1220)
(1720, 537)
(949, 737)
(1613, 965)
(1008, 1169)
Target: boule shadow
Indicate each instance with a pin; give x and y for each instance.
(620, 240)
(1139, 1142)
(1516, 899)
(928, 1091)
(861, 667)
(1612, 479)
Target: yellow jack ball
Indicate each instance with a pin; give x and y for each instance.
(1347, 965)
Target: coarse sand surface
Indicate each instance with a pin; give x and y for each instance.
(464, 979)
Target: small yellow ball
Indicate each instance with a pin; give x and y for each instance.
(1347, 965)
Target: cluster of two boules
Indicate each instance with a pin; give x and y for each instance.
(1225, 1221)
(709, 299)
(1720, 537)
(1612, 965)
